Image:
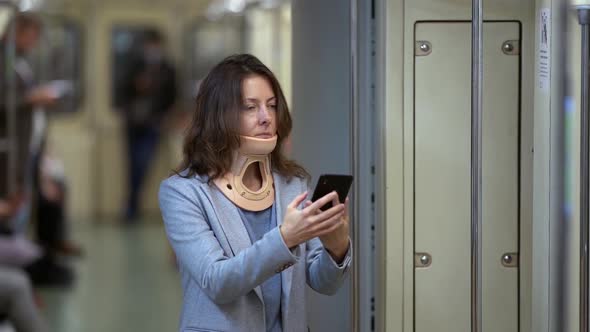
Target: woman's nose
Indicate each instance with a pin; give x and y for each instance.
(263, 115)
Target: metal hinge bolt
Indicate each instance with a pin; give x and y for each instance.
(425, 47)
(424, 259)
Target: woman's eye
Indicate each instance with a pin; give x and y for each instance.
(250, 107)
(274, 107)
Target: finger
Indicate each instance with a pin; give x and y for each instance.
(311, 212)
(322, 216)
(335, 212)
(335, 223)
(298, 200)
(322, 201)
(336, 209)
(329, 225)
(346, 207)
(330, 229)
(336, 200)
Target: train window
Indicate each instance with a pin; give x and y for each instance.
(130, 51)
(6, 13)
(58, 60)
(208, 42)
(125, 47)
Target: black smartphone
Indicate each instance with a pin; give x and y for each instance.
(332, 182)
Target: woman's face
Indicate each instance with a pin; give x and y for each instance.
(258, 116)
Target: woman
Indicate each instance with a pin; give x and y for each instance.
(236, 213)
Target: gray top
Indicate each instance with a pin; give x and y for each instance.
(257, 224)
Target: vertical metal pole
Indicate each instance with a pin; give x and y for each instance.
(559, 229)
(584, 19)
(355, 132)
(383, 59)
(10, 77)
(476, 162)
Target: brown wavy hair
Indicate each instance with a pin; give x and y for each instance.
(214, 131)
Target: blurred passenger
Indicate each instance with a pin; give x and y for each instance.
(27, 30)
(16, 301)
(30, 97)
(149, 94)
(51, 227)
(15, 249)
(50, 202)
(236, 213)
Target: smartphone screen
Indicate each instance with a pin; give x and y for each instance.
(332, 182)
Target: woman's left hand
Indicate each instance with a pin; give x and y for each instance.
(336, 242)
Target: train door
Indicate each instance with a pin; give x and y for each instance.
(442, 145)
(113, 32)
(426, 52)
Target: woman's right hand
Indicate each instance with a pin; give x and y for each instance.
(302, 225)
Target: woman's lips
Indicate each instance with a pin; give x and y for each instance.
(264, 136)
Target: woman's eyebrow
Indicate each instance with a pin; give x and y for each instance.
(256, 99)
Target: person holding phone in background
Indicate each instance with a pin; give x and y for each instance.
(246, 239)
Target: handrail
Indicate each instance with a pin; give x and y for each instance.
(476, 163)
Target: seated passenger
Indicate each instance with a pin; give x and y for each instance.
(51, 226)
(15, 249)
(16, 301)
(50, 200)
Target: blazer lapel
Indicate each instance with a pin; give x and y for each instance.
(282, 200)
(231, 223)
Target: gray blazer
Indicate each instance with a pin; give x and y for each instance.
(221, 270)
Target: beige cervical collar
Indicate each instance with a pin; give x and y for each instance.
(252, 150)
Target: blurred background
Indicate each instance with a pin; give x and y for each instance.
(118, 81)
(95, 97)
